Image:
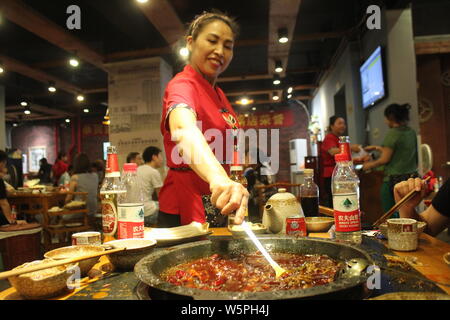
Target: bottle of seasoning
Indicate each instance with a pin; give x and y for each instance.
(237, 175)
(309, 195)
(109, 193)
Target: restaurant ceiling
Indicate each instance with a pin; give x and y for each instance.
(34, 34)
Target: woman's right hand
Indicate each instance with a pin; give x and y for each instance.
(401, 189)
(229, 196)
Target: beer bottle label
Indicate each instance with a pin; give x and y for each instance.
(346, 212)
(109, 218)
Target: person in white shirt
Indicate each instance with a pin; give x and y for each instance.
(151, 182)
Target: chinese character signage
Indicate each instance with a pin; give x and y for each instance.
(94, 129)
(277, 119)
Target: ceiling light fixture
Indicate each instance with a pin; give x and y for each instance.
(74, 62)
(24, 103)
(85, 110)
(275, 96)
(245, 101)
(27, 111)
(278, 66)
(142, 1)
(51, 87)
(289, 96)
(80, 97)
(184, 52)
(15, 124)
(68, 120)
(276, 80)
(289, 90)
(1, 67)
(283, 35)
(254, 108)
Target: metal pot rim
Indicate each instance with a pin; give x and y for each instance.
(153, 280)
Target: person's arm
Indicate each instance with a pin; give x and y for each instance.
(334, 151)
(226, 194)
(386, 156)
(436, 222)
(355, 148)
(72, 187)
(6, 209)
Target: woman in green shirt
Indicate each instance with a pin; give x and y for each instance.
(398, 152)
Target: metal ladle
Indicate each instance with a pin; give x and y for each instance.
(278, 270)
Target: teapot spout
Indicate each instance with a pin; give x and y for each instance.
(269, 209)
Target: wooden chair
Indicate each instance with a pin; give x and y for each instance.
(54, 225)
(261, 192)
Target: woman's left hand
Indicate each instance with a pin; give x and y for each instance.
(229, 196)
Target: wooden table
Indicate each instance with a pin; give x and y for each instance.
(39, 203)
(429, 255)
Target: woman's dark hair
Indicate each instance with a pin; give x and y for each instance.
(203, 19)
(149, 152)
(98, 165)
(61, 154)
(81, 164)
(132, 156)
(3, 156)
(332, 121)
(43, 161)
(397, 112)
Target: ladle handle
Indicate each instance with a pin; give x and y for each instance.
(278, 270)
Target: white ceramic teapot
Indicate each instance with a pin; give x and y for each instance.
(279, 207)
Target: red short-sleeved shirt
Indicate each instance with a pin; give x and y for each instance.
(328, 163)
(182, 190)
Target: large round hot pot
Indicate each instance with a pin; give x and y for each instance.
(149, 268)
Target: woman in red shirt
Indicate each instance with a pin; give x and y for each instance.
(60, 166)
(192, 105)
(329, 148)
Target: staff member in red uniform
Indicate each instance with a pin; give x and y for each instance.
(192, 96)
(329, 148)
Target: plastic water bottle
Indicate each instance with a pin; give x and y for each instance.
(345, 190)
(130, 205)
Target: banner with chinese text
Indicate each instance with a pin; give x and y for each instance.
(276, 119)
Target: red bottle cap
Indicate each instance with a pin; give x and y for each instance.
(130, 167)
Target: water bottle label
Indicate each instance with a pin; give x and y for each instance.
(346, 212)
(131, 221)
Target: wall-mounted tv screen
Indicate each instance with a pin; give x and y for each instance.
(372, 79)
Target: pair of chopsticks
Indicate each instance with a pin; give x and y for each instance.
(405, 199)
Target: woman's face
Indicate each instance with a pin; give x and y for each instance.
(211, 52)
(339, 127)
(390, 123)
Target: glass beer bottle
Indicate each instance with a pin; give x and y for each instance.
(109, 192)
